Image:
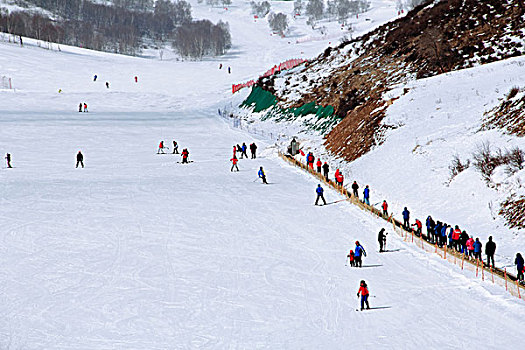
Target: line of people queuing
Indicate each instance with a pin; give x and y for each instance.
(437, 232)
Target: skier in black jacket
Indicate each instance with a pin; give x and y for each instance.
(80, 159)
(381, 238)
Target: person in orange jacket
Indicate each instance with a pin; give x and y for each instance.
(234, 161)
(319, 165)
(363, 290)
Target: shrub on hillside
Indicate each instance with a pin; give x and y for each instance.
(457, 166)
(278, 22)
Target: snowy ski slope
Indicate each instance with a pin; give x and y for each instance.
(137, 251)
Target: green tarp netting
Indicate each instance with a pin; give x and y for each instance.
(262, 100)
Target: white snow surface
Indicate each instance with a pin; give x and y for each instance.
(137, 251)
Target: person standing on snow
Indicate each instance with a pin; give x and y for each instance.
(80, 159)
(470, 247)
(363, 291)
(175, 147)
(80, 107)
(326, 168)
(366, 195)
(95, 77)
(406, 219)
(359, 252)
(229, 70)
(477, 249)
(85, 107)
(381, 238)
(185, 155)
(136, 79)
(253, 150)
(490, 249)
(355, 187)
(310, 160)
(107, 84)
(319, 190)
(234, 151)
(8, 160)
(262, 175)
(430, 229)
(520, 266)
(463, 238)
(319, 165)
(351, 257)
(417, 226)
(161, 147)
(234, 161)
(339, 178)
(385, 208)
(244, 148)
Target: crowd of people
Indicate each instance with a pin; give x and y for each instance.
(438, 233)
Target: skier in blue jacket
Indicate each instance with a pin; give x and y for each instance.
(262, 175)
(319, 192)
(359, 252)
(477, 249)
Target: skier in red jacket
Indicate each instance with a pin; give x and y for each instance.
(185, 154)
(363, 290)
(350, 257)
(234, 161)
(161, 147)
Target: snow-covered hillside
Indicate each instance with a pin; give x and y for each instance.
(137, 251)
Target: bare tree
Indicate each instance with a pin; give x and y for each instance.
(297, 7)
(315, 9)
(260, 9)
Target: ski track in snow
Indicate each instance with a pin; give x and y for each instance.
(137, 251)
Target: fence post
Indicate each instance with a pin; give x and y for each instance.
(482, 271)
(444, 250)
(492, 273)
(506, 288)
(462, 261)
(518, 285)
(477, 266)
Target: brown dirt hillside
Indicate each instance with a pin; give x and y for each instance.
(429, 40)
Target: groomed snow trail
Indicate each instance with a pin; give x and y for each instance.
(137, 251)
